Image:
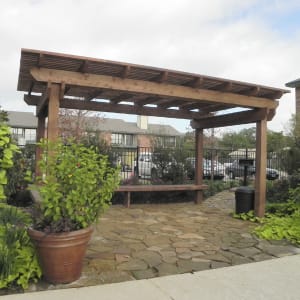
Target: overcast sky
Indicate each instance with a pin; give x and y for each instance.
(257, 41)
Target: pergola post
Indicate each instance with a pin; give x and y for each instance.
(261, 165)
(53, 111)
(39, 135)
(199, 163)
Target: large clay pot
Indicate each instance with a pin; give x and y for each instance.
(61, 254)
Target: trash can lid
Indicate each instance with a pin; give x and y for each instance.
(245, 190)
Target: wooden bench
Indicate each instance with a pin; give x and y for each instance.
(157, 188)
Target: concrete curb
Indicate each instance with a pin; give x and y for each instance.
(272, 279)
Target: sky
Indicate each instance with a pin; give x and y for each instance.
(256, 41)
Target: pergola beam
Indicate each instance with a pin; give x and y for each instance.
(237, 118)
(129, 109)
(149, 88)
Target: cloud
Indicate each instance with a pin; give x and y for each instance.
(246, 40)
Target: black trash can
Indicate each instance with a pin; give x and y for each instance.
(244, 199)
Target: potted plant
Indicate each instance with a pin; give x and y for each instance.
(75, 188)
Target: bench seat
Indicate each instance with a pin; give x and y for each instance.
(158, 188)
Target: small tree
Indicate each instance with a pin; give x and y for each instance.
(77, 124)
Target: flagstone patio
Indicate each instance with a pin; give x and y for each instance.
(151, 240)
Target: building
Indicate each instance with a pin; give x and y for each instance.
(23, 125)
(116, 132)
(130, 134)
(296, 84)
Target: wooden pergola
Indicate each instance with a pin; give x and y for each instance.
(53, 80)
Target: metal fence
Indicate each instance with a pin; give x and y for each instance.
(177, 165)
(148, 165)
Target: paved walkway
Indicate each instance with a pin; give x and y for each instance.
(275, 279)
(148, 241)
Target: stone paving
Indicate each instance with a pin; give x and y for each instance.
(147, 241)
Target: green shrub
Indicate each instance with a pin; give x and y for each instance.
(278, 190)
(76, 189)
(7, 150)
(281, 221)
(19, 175)
(18, 262)
(278, 228)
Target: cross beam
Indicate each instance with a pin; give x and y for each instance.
(149, 88)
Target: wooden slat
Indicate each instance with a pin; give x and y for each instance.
(150, 88)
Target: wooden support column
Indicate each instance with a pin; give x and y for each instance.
(40, 133)
(53, 110)
(199, 163)
(261, 165)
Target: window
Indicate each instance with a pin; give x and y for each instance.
(166, 141)
(24, 135)
(122, 139)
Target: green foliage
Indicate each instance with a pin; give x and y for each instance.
(7, 151)
(249, 216)
(18, 262)
(278, 190)
(278, 228)
(242, 139)
(76, 188)
(282, 220)
(276, 141)
(20, 175)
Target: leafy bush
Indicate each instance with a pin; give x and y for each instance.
(278, 228)
(19, 176)
(7, 150)
(76, 189)
(278, 190)
(18, 262)
(282, 220)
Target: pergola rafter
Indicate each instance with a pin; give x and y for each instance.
(54, 80)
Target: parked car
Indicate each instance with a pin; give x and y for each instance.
(237, 170)
(151, 165)
(218, 169)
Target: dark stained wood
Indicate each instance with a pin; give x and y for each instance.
(84, 67)
(128, 189)
(53, 110)
(43, 101)
(128, 109)
(59, 61)
(32, 99)
(125, 71)
(93, 95)
(162, 77)
(260, 166)
(196, 82)
(149, 88)
(40, 134)
(199, 164)
(161, 187)
(199, 98)
(244, 117)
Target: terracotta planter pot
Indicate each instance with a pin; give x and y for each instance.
(61, 254)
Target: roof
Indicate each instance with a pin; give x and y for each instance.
(20, 119)
(109, 86)
(294, 83)
(121, 126)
